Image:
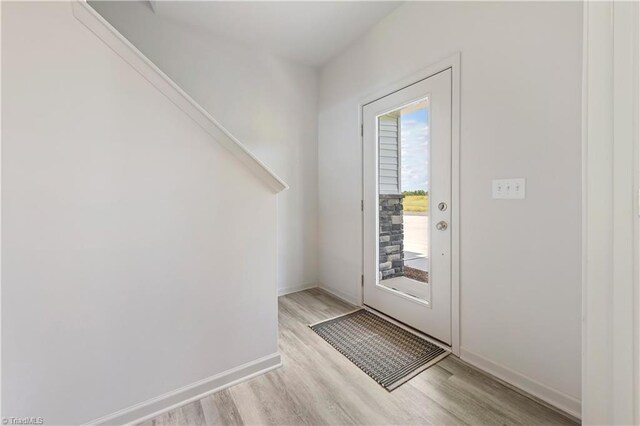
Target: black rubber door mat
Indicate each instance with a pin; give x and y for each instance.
(389, 354)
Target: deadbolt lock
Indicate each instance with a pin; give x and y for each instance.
(442, 206)
(441, 226)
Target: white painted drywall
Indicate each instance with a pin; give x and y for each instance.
(520, 116)
(268, 103)
(138, 254)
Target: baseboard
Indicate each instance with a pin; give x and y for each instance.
(340, 295)
(295, 289)
(555, 398)
(153, 407)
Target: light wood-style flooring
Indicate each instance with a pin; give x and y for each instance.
(319, 386)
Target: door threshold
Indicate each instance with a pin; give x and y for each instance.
(409, 329)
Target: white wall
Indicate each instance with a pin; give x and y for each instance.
(121, 219)
(520, 117)
(268, 103)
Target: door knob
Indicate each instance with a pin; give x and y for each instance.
(441, 226)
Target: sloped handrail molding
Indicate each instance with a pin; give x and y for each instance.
(127, 51)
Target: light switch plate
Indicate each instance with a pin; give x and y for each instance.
(508, 189)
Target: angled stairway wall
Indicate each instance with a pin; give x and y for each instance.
(126, 234)
(268, 102)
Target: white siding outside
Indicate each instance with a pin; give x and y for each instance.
(389, 166)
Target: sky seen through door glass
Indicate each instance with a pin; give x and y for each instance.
(414, 127)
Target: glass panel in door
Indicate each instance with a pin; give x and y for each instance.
(403, 188)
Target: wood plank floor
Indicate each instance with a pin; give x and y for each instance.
(319, 386)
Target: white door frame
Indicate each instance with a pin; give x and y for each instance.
(452, 62)
(610, 257)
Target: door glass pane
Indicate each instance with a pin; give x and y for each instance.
(403, 177)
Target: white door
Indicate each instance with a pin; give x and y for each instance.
(407, 205)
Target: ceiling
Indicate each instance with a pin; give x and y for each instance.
(307, 32)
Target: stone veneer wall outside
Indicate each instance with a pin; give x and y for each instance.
(391, 236)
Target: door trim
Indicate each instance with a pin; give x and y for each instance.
(452, 62)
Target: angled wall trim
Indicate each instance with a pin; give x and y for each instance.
(127, 51)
